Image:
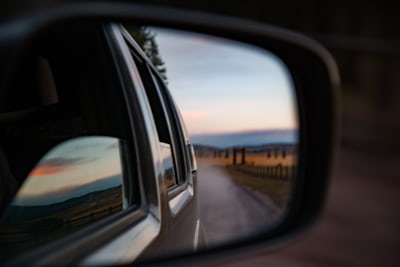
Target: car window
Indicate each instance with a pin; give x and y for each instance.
(170, 127)
(166, 128)
(76, 184)
(178, 131)
(65, 141)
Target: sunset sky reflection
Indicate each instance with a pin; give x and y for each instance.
(224, 86)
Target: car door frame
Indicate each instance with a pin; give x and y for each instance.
(181, 212)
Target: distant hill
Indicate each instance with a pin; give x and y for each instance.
(91, 200)
(63, 194)
(249, 138)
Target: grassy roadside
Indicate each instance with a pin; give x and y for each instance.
(279, 191)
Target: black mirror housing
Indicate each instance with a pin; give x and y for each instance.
(316, 81)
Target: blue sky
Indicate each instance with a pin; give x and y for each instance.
(224, 86)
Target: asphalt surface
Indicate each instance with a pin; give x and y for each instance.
(227, 210)
(360, 225)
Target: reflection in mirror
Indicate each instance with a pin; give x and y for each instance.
(75, 184)
(239, 106)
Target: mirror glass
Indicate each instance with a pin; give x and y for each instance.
(239, 106)
(238, 109)
(77, 183)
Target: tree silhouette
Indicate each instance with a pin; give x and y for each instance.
(145, 38)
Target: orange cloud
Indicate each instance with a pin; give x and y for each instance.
(57, 165)
(47, 170)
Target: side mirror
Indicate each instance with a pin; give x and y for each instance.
(140, 197)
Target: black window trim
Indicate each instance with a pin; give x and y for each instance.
(173, 132)
(147, 78)
(177, 135)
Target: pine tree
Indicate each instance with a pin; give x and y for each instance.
(146, 40)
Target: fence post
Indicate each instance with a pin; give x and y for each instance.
(243, 155)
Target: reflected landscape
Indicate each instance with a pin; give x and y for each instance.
(244, 189)
(75, 185)
(239, 108)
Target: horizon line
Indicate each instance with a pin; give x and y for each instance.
(246, 131)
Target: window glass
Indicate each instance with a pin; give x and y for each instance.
(76, 184)
(167, 159)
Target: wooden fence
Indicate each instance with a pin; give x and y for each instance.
(279, 171)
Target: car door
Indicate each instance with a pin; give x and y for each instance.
(179, 218)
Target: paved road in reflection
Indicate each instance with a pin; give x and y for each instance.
(228, 211)
(360, 224)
